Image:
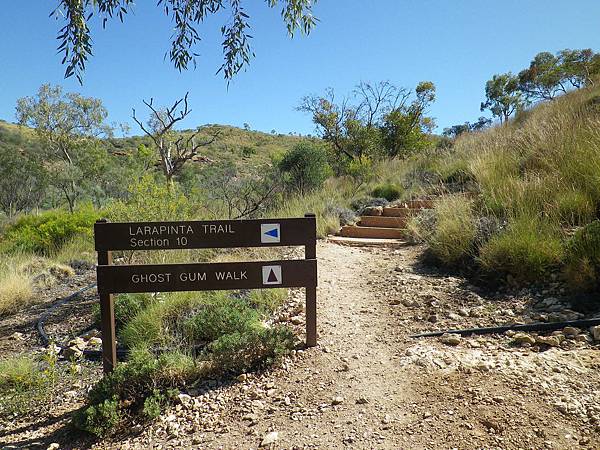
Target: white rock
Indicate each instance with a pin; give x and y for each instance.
(337, 400)
(269, 438)
(595, 332)
(523, 338)
(450, 339)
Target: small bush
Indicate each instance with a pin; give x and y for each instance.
(142, 387)
(218, 319)
(388, 191)
(452, 240)
(20, 373)
(99, 419)
(305, 168)
(151, 200)
(583, 258)
(267, 301)
(526, 249)
(46, 233)
(147, 328)
(127, 306)
(240, 352)
(361, 170)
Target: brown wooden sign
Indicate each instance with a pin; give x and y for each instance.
(207, 277)
(204, 234)
(203, 277)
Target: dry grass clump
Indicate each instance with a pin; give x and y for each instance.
(22, 273)
(16, 290)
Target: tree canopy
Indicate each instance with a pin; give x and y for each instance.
(75, 39)
(503, 96)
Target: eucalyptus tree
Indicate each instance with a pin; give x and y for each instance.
(69, 127)
(503, 96)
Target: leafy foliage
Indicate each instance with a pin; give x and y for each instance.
(76, 41)
(68, 125)
(22, 181)
(526, 250)
(503, 96)
(304, 168)
(383, 116)
(240, 352)
(388, 191)
(46, 232)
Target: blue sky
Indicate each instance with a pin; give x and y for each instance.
(457, 44)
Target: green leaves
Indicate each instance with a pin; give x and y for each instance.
(503, 96)
(75, 42)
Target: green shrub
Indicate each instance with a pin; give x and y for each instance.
(151, 200)
(147, 327)
(142, 386)
(154, 404)
(20, 373)
(214, 320)
(452, 239)
(240, 352)
(361, 170)
(582, 257)
(388, 191)
(127, 306)
(45, 233)
(304, 168)
(99, 419)
(525, 250)
(266, 301)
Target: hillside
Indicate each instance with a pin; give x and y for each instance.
(242, 147)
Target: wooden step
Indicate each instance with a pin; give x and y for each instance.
(400, 212)
(372, 232)
(383, 221)
(366, 242)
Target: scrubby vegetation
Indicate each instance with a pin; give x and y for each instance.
(177, 339)
(514, 202)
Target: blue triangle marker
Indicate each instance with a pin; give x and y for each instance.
(272, 233)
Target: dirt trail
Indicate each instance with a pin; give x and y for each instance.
(354, 365)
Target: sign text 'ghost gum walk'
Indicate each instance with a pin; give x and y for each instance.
(116, 279)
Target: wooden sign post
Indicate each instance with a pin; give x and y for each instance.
(203, 277)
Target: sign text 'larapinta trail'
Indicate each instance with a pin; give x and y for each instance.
(203, 234)
(121, 279)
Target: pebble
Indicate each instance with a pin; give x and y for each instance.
(269, 438)
(571, 331)
(450, 339)
(523, 338)
(552, 341)
(595, 331)
(337, 400)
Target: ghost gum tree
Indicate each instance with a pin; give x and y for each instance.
(75, 39)
(69, 126)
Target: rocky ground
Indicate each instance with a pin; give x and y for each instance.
(369, 385)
